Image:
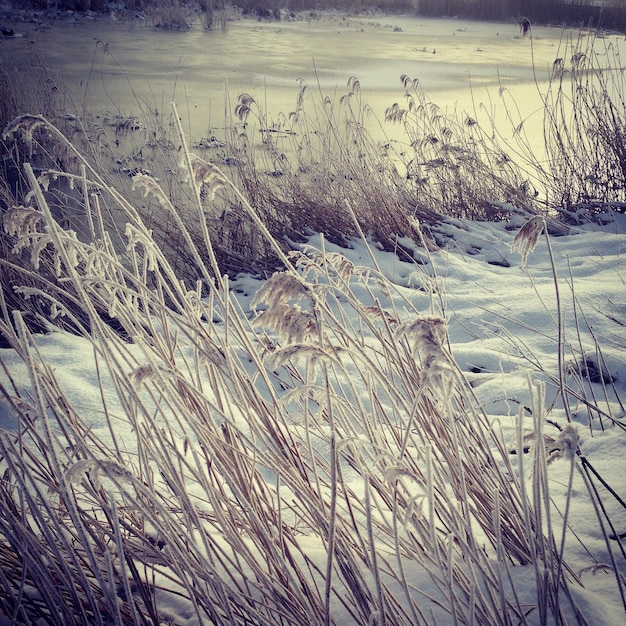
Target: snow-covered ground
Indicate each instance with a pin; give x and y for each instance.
(503, 324)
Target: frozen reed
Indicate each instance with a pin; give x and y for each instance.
(322, 461)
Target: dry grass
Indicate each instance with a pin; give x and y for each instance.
(580, 361)
(454, 163)
(585, 124)
(324, 459)
(314, 168)
(583, 170)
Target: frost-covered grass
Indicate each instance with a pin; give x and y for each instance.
(417, 419)
(362, 438)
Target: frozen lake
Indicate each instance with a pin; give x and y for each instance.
(111, 66)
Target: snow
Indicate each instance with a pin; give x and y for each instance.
(503, 330)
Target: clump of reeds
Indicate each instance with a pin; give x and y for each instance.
(311, 170)
(450, 163)
(584, 124)
(453, 163)
(583, 169)
(319, 166)
(170, 14)
(524, 26)
(323, 463)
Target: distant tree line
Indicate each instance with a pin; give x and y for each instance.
(608, 14)
(596, 13)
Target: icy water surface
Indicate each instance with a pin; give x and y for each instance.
(113, 66)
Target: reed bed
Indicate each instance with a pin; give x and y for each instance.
(322, 462)
(318, 460)
(323, 167)
(584, 124)
(311, 169)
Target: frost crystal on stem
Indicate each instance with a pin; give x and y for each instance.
(26, 124)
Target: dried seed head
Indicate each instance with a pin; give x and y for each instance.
(565, 445)
(300, 352)
(27, 224)
(281, 288)
(290, 323)
(378, 313)
(342, 265)
(427, 337)
(150, 186)
(143, 237)
(74, 474)
(528, 236)
(428, 334)
(140, 374)
(205, 173)
(26, 124)
(22, 221)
